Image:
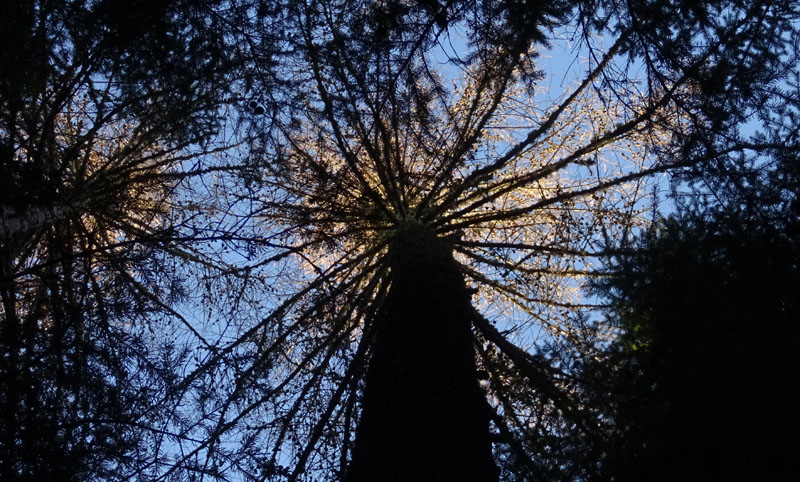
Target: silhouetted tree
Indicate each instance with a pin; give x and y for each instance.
(696, 385)
(698, 381)
(105, 110)
(394, 135)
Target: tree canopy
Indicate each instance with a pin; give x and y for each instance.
(228, 227)
(708, 310)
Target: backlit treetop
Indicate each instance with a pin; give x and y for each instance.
(390, 126)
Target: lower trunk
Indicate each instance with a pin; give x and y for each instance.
(424, 416)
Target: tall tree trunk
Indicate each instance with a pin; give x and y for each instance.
(424, 414)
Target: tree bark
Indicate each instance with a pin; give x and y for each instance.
(424, 415)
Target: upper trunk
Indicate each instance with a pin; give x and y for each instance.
(425, 416)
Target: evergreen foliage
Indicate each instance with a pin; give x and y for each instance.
(697, 385)
(347, 239)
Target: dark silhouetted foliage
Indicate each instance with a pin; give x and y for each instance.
(699, 382)
(101, 105)
(315, 240)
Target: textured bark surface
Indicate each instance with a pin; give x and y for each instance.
(424, 414)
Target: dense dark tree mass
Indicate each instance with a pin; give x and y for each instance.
(708, 309)
(352, 240)
(699, 378)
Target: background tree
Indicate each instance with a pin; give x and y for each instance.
(708, 320)
(708, 313)
(108, 118)
(695, 383)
